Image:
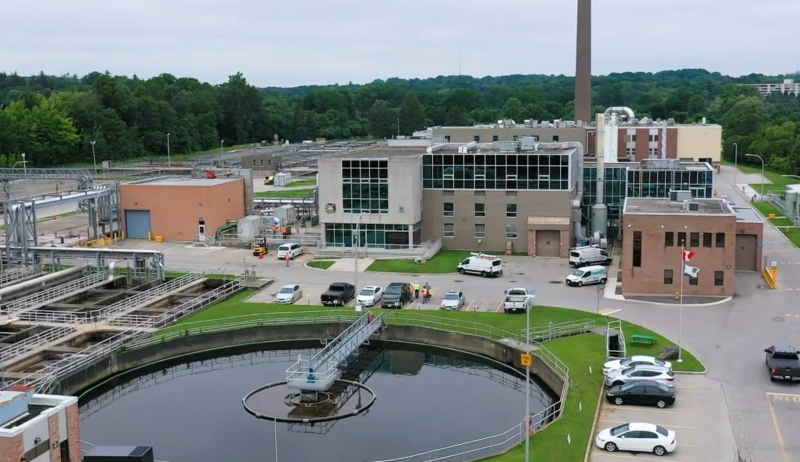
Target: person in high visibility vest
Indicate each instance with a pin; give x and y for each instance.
(288, 257)
(425, 295)
(274, 230)
(283, 230)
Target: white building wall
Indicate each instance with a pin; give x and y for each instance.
(40, 429)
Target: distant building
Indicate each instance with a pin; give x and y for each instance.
(262, 164)
(787, 86)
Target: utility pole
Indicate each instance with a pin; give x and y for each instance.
(94, 157)
(169, 163)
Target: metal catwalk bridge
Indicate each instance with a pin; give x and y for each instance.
(320, 371)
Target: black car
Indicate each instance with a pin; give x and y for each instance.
(396, 295)
(645, 392)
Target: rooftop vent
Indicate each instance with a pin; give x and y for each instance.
(680, 196)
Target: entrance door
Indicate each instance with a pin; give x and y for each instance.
(137, 223)
(746, 251)
(548, 243)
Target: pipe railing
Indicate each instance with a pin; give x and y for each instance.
(33, 342)
(40, 299)
(16, 274)
(141, 299)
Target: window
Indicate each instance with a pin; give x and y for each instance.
(254, 162)
(447, 138)
(449, 210)
(719, 278)
(632, 138)
(262, 162)
(693, 281)
(654, 138)
(720, 240)
(365, 186)
(668, 276)
(539, 170)
(449, 230)
(480, 231)
(682, 239)
(706, 239)
(480, 210)
(555, 138)
(511, 231)
(694, 239)
(637, 249)
(476, 138)
(669, 239)
(511, 210)
(269, 162)
(495, 138)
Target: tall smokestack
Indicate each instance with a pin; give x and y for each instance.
(583, 63)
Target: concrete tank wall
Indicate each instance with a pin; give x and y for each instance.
(196, 343)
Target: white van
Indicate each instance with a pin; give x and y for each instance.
(485, 265)
(294, 250)
(588, 275)
(582, 256)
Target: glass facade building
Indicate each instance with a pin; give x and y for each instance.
(365, 186)
(505, 171)
(629, 180)
(373, 235)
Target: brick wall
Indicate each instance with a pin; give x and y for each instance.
(657, 257)
(74, 433)
(55, 453)
(12, 449)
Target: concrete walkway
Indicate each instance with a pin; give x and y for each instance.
(349, 264)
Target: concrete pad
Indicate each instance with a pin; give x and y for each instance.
(349, 264)
(699, 419)
(785, 413)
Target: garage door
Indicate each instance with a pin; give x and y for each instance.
(137, 224)
(746, 247)
(548, 243)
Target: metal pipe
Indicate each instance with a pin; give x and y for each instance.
(89, 251)
(40, 281)
(621, 110)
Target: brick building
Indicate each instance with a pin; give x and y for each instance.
(724, 239)
(39, 428)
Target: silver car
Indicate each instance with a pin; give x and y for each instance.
(642, 372)
(289, 294)
(452, 300)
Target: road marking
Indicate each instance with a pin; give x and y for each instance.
(777, 430)
(233, 252)
(302, 298)
(620, 456)
(499, 306)
(608, 311)
(644, 409)
(173, 247)
(784, 397)
(624, 422)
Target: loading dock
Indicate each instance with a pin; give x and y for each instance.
(137, 224)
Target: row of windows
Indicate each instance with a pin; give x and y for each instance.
(477, 138)
(694, 239)
(719, 278)
(374, 169)
(480, 230)
(480, 210)
(490, 171)
(367, 196)
(269, 162)
(374, 235)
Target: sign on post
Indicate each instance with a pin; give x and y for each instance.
(526, 359)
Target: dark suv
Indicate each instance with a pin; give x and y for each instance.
(396, 295)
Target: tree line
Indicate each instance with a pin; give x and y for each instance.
(55, 119)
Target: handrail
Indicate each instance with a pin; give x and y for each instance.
(42, 316)
(41, 298)
(35, 341)
(137, 300)
(19, 273)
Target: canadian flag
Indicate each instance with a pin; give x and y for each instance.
(687, 255)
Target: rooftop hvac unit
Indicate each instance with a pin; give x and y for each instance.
(691, 206)
(670, 121)
(646, 121)
(680, 196)
(633, 121)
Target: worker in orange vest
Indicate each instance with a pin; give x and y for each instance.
(288, 257)
(274, 230)
(283, 230)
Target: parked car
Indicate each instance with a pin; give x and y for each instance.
(289, 294)
(395, 295)
(639, 437)
(633, 361)
(631, 374)
(645, 392)
(338, 294)
(783, 363)
(590, 255)
(370, 295)
(293, 249)
(588, 275)
(452, 300)
(517, 299)
(485, 265)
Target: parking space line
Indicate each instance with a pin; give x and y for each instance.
(624, 422)
(644, 409)
(302, 298)
(620, 456)
(500, 305)
(777, 429)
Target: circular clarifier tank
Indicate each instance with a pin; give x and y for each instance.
(191, 408)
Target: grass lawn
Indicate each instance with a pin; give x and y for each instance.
(303, 183)
(302, 193)
(445, 261)
(776, 182)
(321, 264)
(784, 225)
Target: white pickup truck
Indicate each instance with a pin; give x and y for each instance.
(517, 300)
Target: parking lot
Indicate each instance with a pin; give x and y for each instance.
(785, 413)
(696, 418)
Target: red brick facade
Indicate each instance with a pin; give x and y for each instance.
(12, 449)
(656, 257)
(74, 433)
(55, 452)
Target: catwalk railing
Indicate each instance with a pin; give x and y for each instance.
(40, 299)
(131, 303)
(16, 274)
(36, 341)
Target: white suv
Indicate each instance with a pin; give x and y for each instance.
(294, 250)
(642, 372)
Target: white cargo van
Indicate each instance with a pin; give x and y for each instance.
(588, 275)
(485, 265)
(582, 256)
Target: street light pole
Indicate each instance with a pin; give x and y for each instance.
(762, 171)
(94, 157)
(169, 163)
(735, 162)
(528, 386)
(355, 253)
(221, 142)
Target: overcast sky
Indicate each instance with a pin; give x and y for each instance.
(301, 42)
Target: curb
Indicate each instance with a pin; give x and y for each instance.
(588, 455)
(685, 305)
(315, 269)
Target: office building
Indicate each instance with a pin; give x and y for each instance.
(557, 131)
(788, 86)
(263, 165)
(655, 232)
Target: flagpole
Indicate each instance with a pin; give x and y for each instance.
(680, 312)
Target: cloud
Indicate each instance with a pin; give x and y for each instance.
(303, 42)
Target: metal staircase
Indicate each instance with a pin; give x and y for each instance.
(320, 371)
